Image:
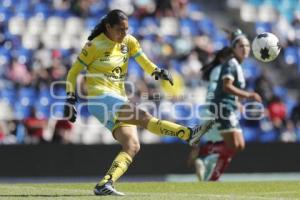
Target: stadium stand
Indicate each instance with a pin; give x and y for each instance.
(40, 40)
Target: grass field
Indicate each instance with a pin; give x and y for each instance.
(157, 191)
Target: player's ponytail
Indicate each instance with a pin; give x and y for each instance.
(220, 56)
(99, 28)
(112, 18)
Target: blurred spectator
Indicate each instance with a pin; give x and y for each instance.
(126, 6)
(289, 135)
(62, 132)
(35, 127)
(41, 76)
(19, 73)
(295, 114)
(191, 70)
(171, 8)
(81, 7)
(277, 113)
(144, 7)
(2, 134)
(264, 87)
(58, 70)
(63, 5)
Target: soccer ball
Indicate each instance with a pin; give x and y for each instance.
(266, 47)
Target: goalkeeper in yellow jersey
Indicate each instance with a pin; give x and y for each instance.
(105, 59)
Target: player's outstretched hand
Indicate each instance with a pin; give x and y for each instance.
(70, 112)
(255, 96)
(162, 74)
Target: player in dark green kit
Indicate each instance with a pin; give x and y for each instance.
(230, 88)
(215, 156)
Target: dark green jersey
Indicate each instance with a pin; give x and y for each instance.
(233, 70)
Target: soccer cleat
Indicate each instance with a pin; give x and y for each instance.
(210, 163)
(198, 131)
(200, 169)
(107, 189)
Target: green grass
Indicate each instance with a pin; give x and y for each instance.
(157, 191)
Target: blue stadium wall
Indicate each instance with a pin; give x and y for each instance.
(92, 160)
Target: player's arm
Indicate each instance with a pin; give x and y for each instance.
(230, 88)
(76, 68)
(83, 60)
(148, 66)
(152, 69)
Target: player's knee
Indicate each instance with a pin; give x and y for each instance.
(136, 148)
(144, 118)
(132, 148)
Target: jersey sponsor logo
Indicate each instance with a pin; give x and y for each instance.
(116, 75)
(106, 57)
(125, 58)
(124, 49)
(180, 133)
(167, 132)
(84, 52)
(117, 70)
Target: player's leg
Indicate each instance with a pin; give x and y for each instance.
(231, 131)
(221, 161)
(130, 114)
(196, 161)
(233, 143)
(127, 136)
(217, 156)
(213, 159)
(234, 140)
(104, 109)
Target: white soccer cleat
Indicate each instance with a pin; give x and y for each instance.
(200, 169)
(107, 189)
(198, 131)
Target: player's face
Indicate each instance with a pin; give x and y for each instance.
(242, 49)
(117, 32)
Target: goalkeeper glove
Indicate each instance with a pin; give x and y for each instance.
(69, 109)
(162, 74)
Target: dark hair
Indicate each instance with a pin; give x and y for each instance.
(234, 36)
(112, 18)
(224, 54)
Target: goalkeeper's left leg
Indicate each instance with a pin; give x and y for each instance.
(128, 138)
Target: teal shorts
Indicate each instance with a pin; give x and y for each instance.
(105, 108)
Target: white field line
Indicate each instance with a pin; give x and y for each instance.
(218, 196)
(281, 192)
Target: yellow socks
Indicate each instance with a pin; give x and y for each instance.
(162, 127)
(118, 167)
(159, 127)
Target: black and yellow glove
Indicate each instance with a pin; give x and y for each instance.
(162, 74)
(70, 112)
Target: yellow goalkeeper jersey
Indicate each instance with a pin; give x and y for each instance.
(106, 63)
